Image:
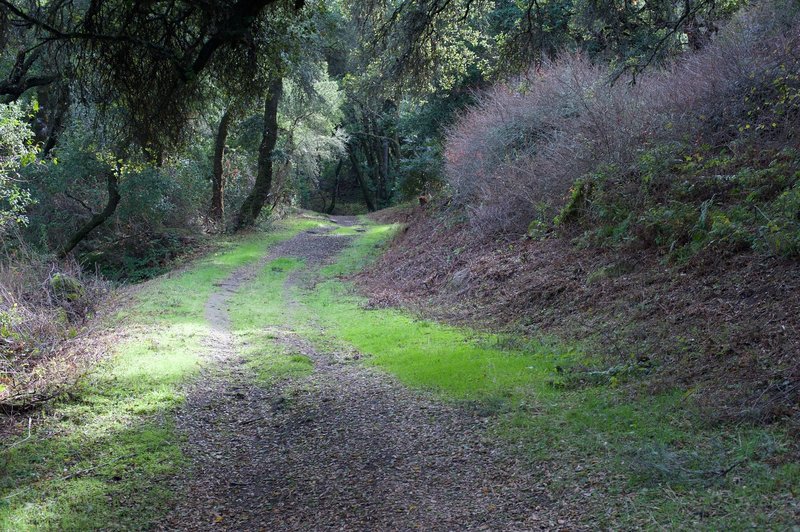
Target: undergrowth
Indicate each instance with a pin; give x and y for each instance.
(45, 305)
(697, 158)
(712, 203)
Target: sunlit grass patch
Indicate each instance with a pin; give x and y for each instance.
(259, 316)
(455, 362)
(363, 250)
(427, 355)
(101, 456)
(347, 230)
(627, 456)
(260, 304)
(106, 443)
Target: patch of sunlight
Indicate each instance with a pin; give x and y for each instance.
(103, 455)
(640, 443)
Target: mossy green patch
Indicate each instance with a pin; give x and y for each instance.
(456, 362)
(428, 355)
(275, 363)
(260, 317)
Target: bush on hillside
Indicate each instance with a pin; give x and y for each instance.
(704, 153)
(16, 150)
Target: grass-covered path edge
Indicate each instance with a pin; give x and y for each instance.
(99, 458)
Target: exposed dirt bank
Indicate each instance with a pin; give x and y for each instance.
(727, 326)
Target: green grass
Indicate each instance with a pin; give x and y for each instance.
(259, 315)
(646, 460)
(363, 250)
(628, 458)
(100, 457)
(427, 355)
(452, 361)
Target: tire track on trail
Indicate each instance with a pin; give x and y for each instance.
(345, 448)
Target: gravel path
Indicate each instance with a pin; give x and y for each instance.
(346, 448)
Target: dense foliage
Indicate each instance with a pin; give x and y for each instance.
(16, 150)
(251, 104)
(702, 155)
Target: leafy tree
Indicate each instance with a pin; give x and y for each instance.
(106, 48)
(217, 209)
(310, 114)
(633, 35)
(410, 57)
(298, 35)
(255, 201)
(16, 150)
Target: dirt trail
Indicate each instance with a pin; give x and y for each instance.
(346, 448)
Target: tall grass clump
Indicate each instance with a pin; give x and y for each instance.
(701, 153)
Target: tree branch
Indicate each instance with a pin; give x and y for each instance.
(97, 219)
(13, 91)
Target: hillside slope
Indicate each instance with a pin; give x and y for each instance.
(726, 330)
(657, 220)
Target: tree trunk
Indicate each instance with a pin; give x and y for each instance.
(385, 172)
(57, 117)
(370, 147)
(335, 192)
(113, 200)
(217, 211)
(254, 202)
(362, 181)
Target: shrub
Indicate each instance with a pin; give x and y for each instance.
(505, 155)
(43, 306)
(16, 150)
(701, 153)
(160, 209)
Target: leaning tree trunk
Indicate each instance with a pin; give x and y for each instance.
(57, 121)
(362, 180)
(335, 191)
(217, 211)
(254, 202)
(113, 200)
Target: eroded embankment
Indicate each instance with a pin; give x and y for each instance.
(726, 324)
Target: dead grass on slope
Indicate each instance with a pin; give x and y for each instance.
(46, 310)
